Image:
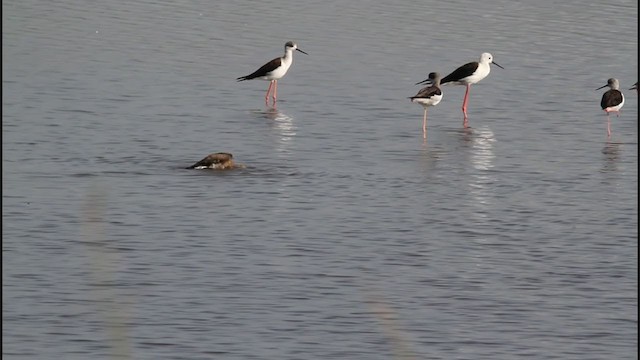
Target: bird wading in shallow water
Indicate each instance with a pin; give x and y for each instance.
(468, 74)
(428, 96)
(612, 100)
(274, 70)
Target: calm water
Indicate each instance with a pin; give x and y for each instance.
(346, 237)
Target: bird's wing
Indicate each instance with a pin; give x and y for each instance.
(264, 69)
(461, 72)
(611, 98)
(428, 92)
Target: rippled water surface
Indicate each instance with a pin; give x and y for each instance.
(347, 236)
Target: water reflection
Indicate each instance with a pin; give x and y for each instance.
(466, 135)
(611, 152)
(482, 143)
(284, 127)
(482, 157)
(430, 156)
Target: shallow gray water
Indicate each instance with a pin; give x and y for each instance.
(346, 236)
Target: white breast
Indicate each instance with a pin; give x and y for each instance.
(281, 71)
(481, 72)
(432, 101)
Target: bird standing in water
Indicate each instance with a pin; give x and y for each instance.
(612, 100)
(469, 74)
(428, 96)
(274, 70)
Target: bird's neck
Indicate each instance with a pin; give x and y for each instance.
(288, 56)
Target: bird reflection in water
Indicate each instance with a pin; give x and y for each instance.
(481, 181)
(430, 156)
(283, 125)
(611, 152)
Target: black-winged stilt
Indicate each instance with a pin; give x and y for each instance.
(612, 100)
(274, 70)
(469, 74)
(428, 96)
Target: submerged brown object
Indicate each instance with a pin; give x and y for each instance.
(216, 161)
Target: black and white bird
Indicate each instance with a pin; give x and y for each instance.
(215, 161)
(274, 70)
(612, 100)
(469, 74)
(428, 96)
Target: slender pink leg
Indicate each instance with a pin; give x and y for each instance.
(465, 123)
(275, 91)
(266, 98)
(608, 126)
(424, 124)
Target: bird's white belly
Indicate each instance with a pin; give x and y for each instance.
(480, 74)
(432, 101)
(278, 73)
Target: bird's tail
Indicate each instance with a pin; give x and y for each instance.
(246, 77)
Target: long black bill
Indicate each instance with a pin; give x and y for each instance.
(302, 52)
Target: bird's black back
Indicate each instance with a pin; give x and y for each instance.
(264, 70)
(611, 98)
(427, 92)
(460, 73)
